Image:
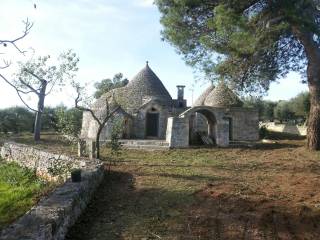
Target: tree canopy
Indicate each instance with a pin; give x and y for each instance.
(249, 43)
(108, 84)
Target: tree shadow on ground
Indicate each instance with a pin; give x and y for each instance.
(283, 136)
(120, 211)
(269, 146)
(193, 177)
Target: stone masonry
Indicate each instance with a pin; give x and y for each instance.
(51, 218)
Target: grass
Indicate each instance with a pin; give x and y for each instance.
(20, 189)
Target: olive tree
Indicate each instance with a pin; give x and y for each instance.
(82, 103)
(39, 77)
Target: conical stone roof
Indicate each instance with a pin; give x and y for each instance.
(200, 100)
(222, 96)
(145, 86)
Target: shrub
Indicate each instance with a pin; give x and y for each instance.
(263, 132)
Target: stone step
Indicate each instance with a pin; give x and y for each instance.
(144, 142)
(145, 147)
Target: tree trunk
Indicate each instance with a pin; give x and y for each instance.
(313, 74)
(37, 123)
(98, 141)
(314, 117)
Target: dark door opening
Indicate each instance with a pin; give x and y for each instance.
(230, 129)
(152, 126)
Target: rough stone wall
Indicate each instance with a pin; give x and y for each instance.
(90, 126)
(220, 131)
(139, 120)
(178, 132)
(34, 158)
(286, 128)
(200, 123)
(53, 215)
(245, 123)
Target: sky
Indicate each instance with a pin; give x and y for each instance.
(109, 36)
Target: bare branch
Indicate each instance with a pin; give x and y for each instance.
(106, 118)
(6, 64)
(18, 92)
(15, 87)
(77, 100)
(13, 42)
(51, 88)
(34, 75)
(32, 109)
(29, 86)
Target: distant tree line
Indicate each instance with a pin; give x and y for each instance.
(66, 121)
(296, 109)
(108, 84)
(58, 119)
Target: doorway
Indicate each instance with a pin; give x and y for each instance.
(230, 129)
(152, 124)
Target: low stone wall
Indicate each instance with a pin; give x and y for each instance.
(286, 128)
(41, 161)
(52, 216)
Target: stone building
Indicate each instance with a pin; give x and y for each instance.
(147, 111)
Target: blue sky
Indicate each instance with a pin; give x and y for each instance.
(110, 36)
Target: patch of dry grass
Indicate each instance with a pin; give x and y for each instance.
(269, 191)
(266, 192)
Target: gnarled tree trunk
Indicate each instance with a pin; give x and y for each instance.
(313, 74)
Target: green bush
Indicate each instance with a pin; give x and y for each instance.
(69, 122)
(263, 132)
(115, 136)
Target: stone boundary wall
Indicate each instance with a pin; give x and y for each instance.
(34, 158)
(51, 218)
(286, 128)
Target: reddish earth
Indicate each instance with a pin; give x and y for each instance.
(270, 191)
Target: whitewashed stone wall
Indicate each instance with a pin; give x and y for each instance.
(178, 132)
(51, 218)
(286, 128)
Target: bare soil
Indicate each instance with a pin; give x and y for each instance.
(266, 192)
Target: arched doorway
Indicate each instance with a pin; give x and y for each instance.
(152, 123)
(202, 128)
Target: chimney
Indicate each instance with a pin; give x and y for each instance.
(180, 92)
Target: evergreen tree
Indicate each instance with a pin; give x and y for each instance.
(250, 43)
